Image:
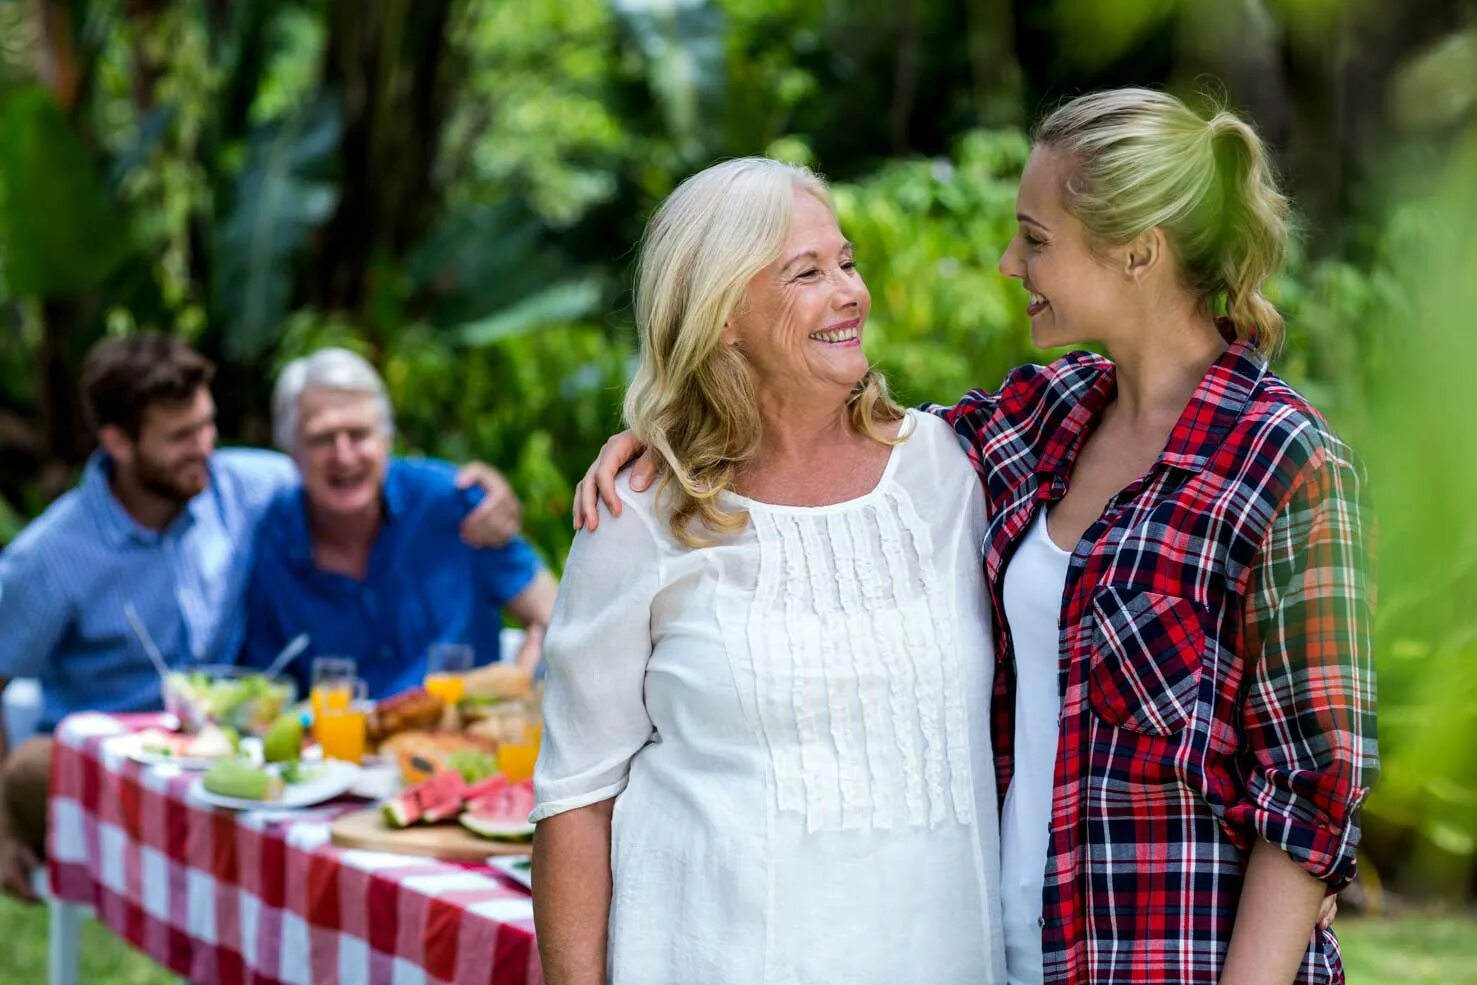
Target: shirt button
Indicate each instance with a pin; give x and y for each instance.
(1041, 922)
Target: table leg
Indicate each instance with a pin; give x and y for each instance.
(64, 932)
(65, 942)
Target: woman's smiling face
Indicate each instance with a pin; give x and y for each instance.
(1075, 294)
(801, 323)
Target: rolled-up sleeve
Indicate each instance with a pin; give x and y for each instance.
(1308, 718)
(596, 651)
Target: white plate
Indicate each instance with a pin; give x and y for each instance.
(329, 779)
(377, 780)
(519, 868)
(133, 747)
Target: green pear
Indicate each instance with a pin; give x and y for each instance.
(283, 742)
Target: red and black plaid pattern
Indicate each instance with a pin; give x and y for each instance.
(1216, 672)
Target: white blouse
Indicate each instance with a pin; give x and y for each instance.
(794, 726)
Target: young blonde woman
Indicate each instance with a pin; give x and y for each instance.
(767, 755)
(1176, 560)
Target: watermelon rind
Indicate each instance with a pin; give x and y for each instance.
(497, 829)
(438, 798)
(399, 812)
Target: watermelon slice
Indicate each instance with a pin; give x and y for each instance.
(500, 810)
(435, 799)
(480, 789)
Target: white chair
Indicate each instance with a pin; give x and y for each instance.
(22, 710)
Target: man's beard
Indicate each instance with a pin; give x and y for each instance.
(159, 480)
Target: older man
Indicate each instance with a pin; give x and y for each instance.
(161, 521)
(363, 555)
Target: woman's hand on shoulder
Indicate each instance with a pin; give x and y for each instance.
(599, 481)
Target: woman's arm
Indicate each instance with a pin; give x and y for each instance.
(1307, 717)
(571, 897)
(1279, 904)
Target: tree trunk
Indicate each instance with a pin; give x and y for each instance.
(387, 62)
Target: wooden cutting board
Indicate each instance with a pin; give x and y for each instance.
(448, 840)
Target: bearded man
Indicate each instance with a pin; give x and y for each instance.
(163, 522)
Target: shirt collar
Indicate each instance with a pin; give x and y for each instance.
(1063, 442)
(1219, 398)
(118, 527)
(299, 536)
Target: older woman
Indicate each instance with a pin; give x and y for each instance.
(364, 555)
(766, 756)
(1184, 708)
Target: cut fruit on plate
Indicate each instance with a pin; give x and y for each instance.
(158, 747)
(316, 784)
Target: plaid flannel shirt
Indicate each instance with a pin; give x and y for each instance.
(1216, 674)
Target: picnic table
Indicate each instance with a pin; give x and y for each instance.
(264, 897)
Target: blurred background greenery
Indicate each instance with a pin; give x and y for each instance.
(454, 188)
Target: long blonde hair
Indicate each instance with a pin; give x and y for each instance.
(1141, 159)
(692, 400)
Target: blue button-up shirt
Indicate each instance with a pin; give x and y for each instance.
(423, 584)
(65, 580)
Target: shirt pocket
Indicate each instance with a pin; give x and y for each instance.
(1144, 669)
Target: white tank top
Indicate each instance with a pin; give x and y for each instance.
(1034, 582)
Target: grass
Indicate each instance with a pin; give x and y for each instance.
(1411, 949)
(106, 960)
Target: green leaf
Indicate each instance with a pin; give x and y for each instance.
(483, 258)
(60, 231)
(283, 194)
(682, 45)
(565, 302)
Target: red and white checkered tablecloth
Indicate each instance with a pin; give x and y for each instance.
(221, 896)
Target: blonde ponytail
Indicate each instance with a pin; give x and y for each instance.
(1253, 241)
(1142, 159)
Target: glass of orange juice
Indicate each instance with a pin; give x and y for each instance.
(446, 663)
(343, 723)
(326, 672)
(520, 733)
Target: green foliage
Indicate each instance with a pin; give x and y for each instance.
(60, 230)
(929, 234)
(535, 116)
(1414, 429)
(200, 185)
(284, 192)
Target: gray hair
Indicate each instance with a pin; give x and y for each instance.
(333, 369)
